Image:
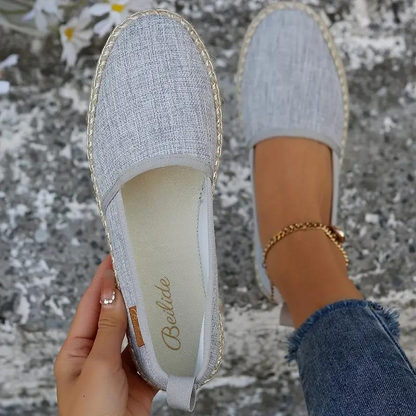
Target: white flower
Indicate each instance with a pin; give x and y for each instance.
(75, 37)
(40, 10)
(11, 60)
(117, 11)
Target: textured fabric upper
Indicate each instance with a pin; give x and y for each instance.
(155, 99)
(290, 80)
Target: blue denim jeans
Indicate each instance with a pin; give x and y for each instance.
(351, 364)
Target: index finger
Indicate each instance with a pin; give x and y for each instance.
(86, 317)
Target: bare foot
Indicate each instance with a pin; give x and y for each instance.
(293, 181)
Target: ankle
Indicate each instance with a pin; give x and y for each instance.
(310, 272)
(305, 254)
(293, 182)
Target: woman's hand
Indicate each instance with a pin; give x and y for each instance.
(93, 377)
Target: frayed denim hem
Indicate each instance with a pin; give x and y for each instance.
(389, 315)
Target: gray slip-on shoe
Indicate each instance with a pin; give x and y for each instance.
(291, 83)
(154, 143)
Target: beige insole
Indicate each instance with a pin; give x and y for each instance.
(162, 207)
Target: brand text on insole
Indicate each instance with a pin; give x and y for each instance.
(170, 333)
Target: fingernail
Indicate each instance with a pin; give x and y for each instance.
(108, 286)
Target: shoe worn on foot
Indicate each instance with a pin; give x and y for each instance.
(291, 83)
(154, 142)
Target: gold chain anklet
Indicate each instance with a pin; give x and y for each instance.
(332, 232)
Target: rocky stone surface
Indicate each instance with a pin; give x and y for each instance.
(51, 238)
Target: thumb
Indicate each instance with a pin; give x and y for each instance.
(112, 323)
